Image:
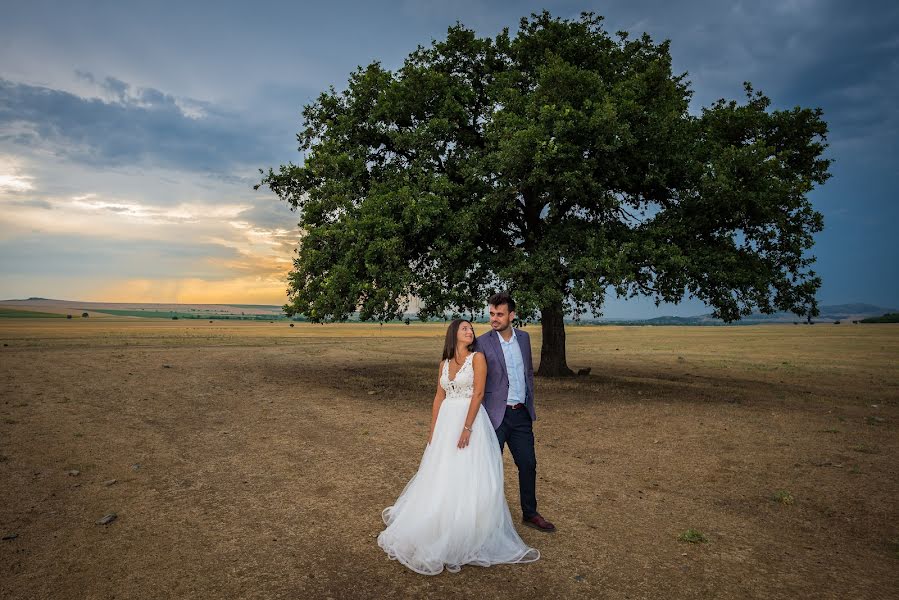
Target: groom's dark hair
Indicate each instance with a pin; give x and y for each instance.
(500, 299)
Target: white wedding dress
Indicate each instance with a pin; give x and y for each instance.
(453, 511)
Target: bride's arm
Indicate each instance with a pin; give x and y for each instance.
(480, 379)
(438, 400)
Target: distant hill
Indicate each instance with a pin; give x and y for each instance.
(853, 309)
(829, 313)
(152, 310)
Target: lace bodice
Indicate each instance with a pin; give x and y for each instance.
(461, 387)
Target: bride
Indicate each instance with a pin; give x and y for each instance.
(453, 511)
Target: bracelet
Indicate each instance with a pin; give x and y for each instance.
(466, 427)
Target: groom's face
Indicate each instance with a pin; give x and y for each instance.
(500, 317)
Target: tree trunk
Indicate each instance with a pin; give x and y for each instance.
(552, 352)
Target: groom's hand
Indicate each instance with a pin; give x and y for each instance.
(463, 439)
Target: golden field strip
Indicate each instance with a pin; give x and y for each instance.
(252, 460)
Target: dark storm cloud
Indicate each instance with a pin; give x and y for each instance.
(839, 56)
(138, 126)
(847, 66)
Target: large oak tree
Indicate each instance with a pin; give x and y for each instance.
(559, 164)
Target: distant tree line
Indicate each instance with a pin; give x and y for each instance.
(887, 318)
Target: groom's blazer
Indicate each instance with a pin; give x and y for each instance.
(496, 390)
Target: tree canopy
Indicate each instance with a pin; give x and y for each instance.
(558, 164)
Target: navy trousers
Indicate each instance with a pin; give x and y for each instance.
(517, 430)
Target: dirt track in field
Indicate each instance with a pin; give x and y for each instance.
(252, 460)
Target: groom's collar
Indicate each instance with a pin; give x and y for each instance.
(500, 336)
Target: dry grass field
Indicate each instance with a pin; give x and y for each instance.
(252, 460)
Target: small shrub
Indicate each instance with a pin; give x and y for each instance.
(692, 536)
(783, 497)
(175, 318)
(85, 315)
(68, 316)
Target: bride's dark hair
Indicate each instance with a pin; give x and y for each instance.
(449, 346)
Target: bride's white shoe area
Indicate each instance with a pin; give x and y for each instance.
(453, 511)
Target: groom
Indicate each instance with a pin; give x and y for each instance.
(509, 399)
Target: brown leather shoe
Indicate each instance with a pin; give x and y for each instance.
(539, 523)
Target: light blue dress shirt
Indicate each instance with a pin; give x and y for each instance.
(514, 369)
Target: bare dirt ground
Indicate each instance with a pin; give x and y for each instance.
(252, 460)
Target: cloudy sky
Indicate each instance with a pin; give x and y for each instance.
(131, 132)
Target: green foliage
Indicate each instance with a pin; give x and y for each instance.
(558, 164)
(692, 536)
(783, 497)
